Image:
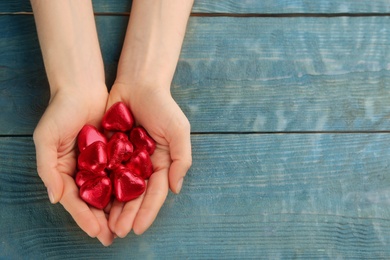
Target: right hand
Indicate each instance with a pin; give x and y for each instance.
(55, 139)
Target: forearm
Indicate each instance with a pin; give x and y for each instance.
(69, 43)
(153, 41)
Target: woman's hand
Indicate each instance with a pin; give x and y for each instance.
(73, 62)
(74, 67)
(150, 52)
(159, 114)
(55, 139)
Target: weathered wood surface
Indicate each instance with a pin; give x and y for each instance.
(268, 97)
(236, 74)
(232, 6)
(246, 196)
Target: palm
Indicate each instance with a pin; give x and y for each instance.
(164, 121)
(55, 139)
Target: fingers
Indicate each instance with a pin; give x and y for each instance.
(106, 237)
(78, 209)
(115, 212)
(92, 221)
(140, 213)
(115, 97)
(156, 193)
(46, 157)
(180, 150)
(122, 223)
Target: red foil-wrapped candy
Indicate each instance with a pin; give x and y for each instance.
(118, 151)
(97, 192)
(127, 184)
(141, 161)
(119, 135)
(93, 158)
(84, 176)
(118, 167)
(88, 135)
(141, 140)
(118, 118)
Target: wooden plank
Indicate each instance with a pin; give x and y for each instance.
(249, 75)
(230, 6)
(292, 74)
(246, 196)
(24, 89)
(288, 6)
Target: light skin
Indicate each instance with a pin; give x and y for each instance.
(147, 63)
(75, 71)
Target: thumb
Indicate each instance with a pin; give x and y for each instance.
(46, 157)
(180, 149)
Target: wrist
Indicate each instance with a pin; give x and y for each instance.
(82, 88)
(139, 89)
(137, 94)
(69, 44)
(136, 78)
(75, 72)
(81, 81)
(80, 95)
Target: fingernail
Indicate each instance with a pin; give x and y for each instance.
(51, 195)
(179, 185)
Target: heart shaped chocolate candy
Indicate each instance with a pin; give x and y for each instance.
(88, 135)
(118, 151)
(83, 176)
(118, 118)
(141, 161)
(141, 140)
(97, 192)
(127, 184)
(93, 158)
(119, 135)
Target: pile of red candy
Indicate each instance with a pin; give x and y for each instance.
(117, 166)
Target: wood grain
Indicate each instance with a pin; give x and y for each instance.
(231, 6)
(24, 90)
(246, 196)
(268, 98)
(291, 74)
(288, 6)
(235, 74)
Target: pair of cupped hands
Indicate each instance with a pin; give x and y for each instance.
(55, 139)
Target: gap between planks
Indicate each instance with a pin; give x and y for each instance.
(243, 15)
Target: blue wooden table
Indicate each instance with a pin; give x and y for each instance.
(289, 102)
